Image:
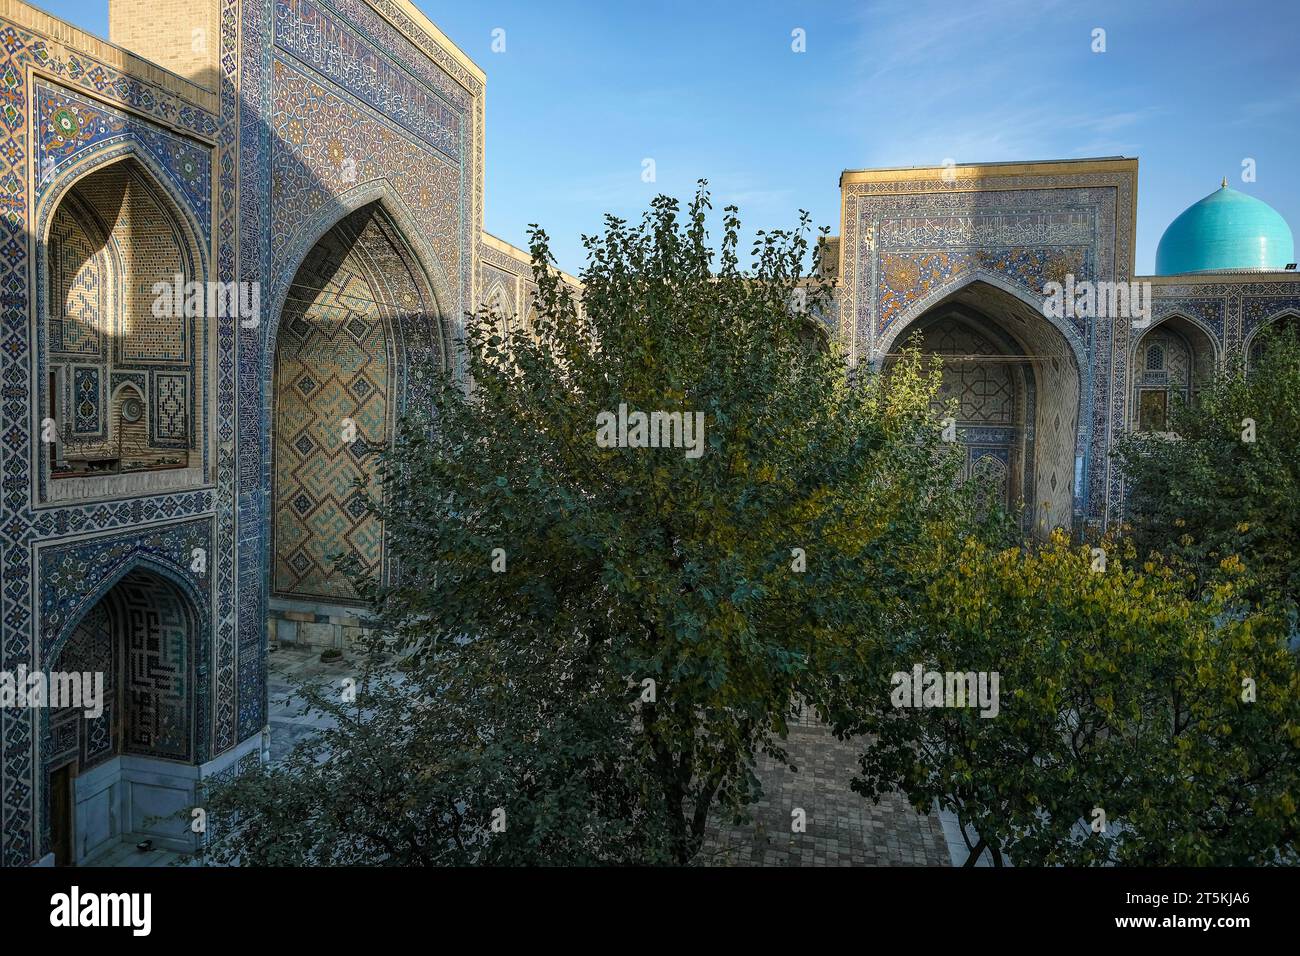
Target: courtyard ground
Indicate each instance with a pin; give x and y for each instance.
(843, 829)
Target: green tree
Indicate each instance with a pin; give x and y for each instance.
(406, 774)
(691, 585)
(598, 640)
(1121, 699)
(1229, 482)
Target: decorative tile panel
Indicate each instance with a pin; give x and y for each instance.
(169, 409)
(87, 401)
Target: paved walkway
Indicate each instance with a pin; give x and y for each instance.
(843, 829)
(288, 724)
(126, 854)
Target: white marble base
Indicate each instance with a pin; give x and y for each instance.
(129, 799)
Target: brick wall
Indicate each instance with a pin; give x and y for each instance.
(180, 35)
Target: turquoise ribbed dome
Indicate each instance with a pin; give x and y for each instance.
(1225, 230)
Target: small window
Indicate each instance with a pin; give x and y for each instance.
(1155, 358)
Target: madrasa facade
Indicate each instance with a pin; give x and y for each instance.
(238, 243)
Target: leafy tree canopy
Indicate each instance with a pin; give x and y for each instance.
(1229, 483)
(604, 633)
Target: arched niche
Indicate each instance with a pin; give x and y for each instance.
(1018, 387)
(117, 259)
(354, 339)
(105, 768)
(1255, 343)
(1172, 361)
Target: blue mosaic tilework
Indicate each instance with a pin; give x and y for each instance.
(168, 419)
(23, 47)
(907, 277)
(324, 43)
(58, 533)
(1263, 303)
(417, 126)
(151, 340)
(121, 378)
(908, 244)
(87, 401)
(79, 277)
(1209, 312)
(65, 600)
(298, 137)
(71, 124)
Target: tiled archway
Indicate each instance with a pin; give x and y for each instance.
(1036, 446)
(105, 772)
(339, 386)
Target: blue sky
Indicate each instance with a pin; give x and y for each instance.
(584, 92)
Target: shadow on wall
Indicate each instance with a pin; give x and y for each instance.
(340, 321)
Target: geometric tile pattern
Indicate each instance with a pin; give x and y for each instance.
(1266, 303)
(74, 124)
(85, 71)
(79, 135)
(169, 410)
(78, 284)
(132, 229)
(321, 143)
(987, 396)
(154, 629)
(985, 393)
(499, 280)
(138, 637)
(907, 277)
(992, 468)
(911, 241)
(311, 33)
(113, 228)
(238, 681)
(1165, 367)
(324, 105)
(137, 239)
(317, 163)
(66, 600)
(332, 372)
(357, 78)
(1167, 358)
(505, 278)
(34, 160)
(147, 242)
(89, 649)
(994, 401)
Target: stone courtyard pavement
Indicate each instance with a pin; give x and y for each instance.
(288, 724)
(843, 829)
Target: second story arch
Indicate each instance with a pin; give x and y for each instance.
(121, 310)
